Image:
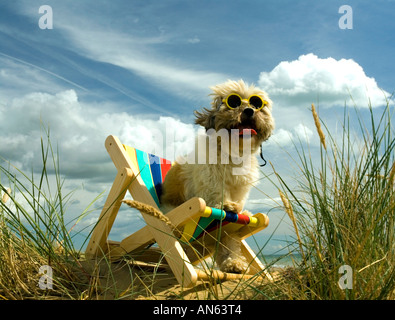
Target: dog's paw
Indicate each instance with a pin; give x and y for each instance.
(232, 206)
(234, 265)
(247, 213)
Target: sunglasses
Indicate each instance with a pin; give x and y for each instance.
(233, 101)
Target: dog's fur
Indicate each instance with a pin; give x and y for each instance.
(216, 183)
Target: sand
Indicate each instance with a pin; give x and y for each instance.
(141, 281)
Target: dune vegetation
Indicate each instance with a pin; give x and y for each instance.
(342, 211)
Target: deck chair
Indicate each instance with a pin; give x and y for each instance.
(142, 174)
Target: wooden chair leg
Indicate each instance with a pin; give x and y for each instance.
(172, 250)
(143, 237)
(256, 266)
(97, 243)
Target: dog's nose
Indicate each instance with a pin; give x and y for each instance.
(248, 112)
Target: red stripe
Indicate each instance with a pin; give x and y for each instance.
(165, 167)
(243, 219)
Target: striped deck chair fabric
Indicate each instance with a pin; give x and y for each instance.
(153, 170)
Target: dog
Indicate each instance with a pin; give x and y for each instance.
(243, 112)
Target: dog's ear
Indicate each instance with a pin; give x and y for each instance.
(206, 118)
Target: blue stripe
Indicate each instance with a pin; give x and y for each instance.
(145, 173)
(156, 174)
(231, 216)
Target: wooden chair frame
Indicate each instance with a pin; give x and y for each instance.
(180, 257)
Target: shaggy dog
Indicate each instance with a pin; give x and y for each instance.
(224, 167)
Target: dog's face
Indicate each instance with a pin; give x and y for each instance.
(243, 116)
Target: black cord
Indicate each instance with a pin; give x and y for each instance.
(264, 164)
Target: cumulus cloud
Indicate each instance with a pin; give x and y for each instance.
(79, 129)
(330, 81)
(281, 137)
(303, 132)
(284, 137)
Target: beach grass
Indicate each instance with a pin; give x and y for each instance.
(343, 212)
(341, 209)
(35, 235)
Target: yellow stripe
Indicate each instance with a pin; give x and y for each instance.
(207, 212)
(189, 230)
(254, 222)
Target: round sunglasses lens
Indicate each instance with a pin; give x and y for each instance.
(256, 102)
(234, 101)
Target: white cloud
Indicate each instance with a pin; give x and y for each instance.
(137, 44)
(283, 137)
(18, 77)
(80, 129)
(139, 56)
(303, 132)
(259, 203)
(194, 40)
(330, 81)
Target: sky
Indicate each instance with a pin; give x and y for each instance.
(95, 68)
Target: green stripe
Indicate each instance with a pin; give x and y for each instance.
(202, 225)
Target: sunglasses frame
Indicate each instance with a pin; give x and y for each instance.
(264, 102)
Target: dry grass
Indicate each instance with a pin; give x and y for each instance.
(318, 126)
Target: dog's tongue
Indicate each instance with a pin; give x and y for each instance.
(247, 131)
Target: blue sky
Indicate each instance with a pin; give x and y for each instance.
(122, 67)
